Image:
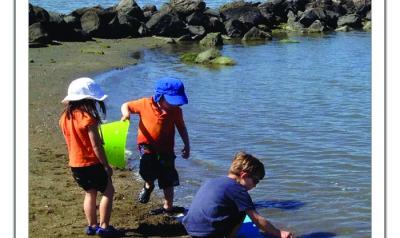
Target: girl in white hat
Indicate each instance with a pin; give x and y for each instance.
(80, 125)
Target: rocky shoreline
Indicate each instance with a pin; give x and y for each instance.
(192, 20)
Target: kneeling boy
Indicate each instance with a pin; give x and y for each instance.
(221, 204)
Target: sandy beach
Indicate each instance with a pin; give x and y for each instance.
(55, 200)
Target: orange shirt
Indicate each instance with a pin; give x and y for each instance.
(75, 130)
(155, 127)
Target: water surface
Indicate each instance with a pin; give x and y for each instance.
(304, 109)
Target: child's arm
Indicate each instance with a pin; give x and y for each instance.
(185, 138)
(266, 226)
(125, 112)
(98, 149)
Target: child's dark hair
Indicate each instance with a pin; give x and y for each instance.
(243, 162)
(86, 105)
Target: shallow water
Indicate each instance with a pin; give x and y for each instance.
(304, 109)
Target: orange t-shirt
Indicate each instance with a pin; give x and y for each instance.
(76, 134)
(155, 127)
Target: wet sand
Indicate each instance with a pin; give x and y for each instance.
(55, 200)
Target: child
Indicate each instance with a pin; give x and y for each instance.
(220, 205)
(79, 123)
(158, 117)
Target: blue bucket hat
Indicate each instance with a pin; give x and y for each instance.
(172, 89)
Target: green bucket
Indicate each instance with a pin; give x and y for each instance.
(114, 136)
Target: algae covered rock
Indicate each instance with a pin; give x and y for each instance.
(189, 57)
(212, 39)
(208, 55)
(223, 60)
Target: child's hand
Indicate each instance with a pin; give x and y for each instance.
(286, 234)
(108, 170)
(125, 117)
(186, 152)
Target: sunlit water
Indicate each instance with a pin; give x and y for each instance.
(304, 109)
(68, 6)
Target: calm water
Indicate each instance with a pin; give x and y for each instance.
(303, 109)
(68, 6)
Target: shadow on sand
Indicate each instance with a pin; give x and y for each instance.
(162, 230)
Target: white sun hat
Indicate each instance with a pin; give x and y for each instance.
(84, 88)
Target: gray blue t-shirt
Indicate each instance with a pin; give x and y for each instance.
(217, 207)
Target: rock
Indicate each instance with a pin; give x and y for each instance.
(188, 57)
(248, 15)
(368, 16)
(37, 14)
(235, 28)
(166, 24)
(72, 21)
(197, 19)
(38, 33)
(59, 30)
(367, 26)
(149, 8)
(233, 4)
(343, 28)
(187, 7)
(184, 38)
(310, 15)
(212, 40)
(212, 12)
(206, 56)
(223, 60)
(197, 30)
(129, 9)
(215, 25)
(316, 27)
(351, 20)
(91, 23)
(256, 34)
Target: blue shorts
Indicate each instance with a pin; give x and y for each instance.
(91, 177)
(154, 166)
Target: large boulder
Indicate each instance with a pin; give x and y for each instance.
(196, 30)
(129, 9)
(94, 22)
(235, 28)
(212, 40)
(197, 19)
(215, 25)
(59, 30)
(248, 15)
(310, 15)
(256, 34)
(316, 27)
(166, 24)
(351, 20)
(38, 33)
(187, 7)
(205, 57)
(37, 14)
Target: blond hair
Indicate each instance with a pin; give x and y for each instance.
(244, 162)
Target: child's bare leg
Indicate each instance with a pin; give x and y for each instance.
(89, 206)
(168, 198)
(149, 184)
(106, 205)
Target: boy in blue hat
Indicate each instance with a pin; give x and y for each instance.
(158, 117)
